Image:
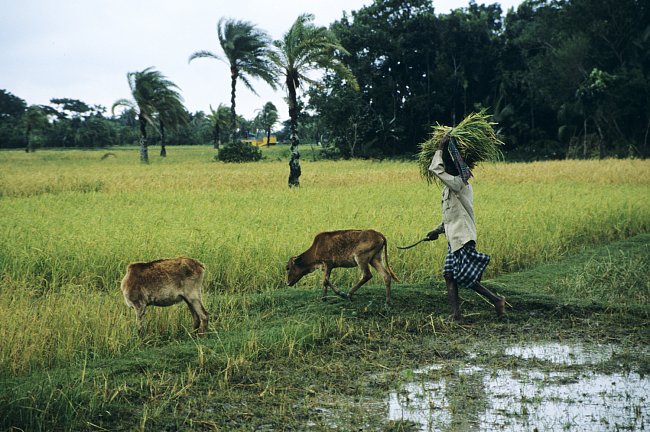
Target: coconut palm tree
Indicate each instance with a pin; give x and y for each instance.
(171, 112)
(219, 120)
(246, 49)
(267, 118)
(146, 87)
(303, 49)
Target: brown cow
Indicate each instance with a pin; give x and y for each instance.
(163, 283)
(347, 248)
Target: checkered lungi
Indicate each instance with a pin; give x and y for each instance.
(466, 265)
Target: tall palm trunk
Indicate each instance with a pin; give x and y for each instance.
(268, 136)
(234, 73)
(163, 150)
(294, 162)
(144, 151)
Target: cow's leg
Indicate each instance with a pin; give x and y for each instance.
(139, 313)
(191, 304)
(328, 284)
(326, 281)
(205, 318)
(378, 264)
(365, 276)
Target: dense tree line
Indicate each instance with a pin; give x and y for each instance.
(70, 123)
(562, 78)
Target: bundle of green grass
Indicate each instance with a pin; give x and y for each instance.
(474, 137)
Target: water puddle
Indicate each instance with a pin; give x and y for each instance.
(531, 398)
(566, 401)
(563, 354)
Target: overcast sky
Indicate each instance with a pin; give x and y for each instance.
(83, 49)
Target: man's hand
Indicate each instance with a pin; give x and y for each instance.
(432, 235)
(442, 144)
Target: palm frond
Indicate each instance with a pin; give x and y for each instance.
(126, 103)
(307, 47)
(247, 84)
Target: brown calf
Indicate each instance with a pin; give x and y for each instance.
(348, 248)
(163, 283)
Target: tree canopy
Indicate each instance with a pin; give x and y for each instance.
(563, 78)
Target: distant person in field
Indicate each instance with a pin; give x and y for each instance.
(464, 265)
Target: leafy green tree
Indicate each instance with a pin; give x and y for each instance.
(34, 119)
(246, 50)
(71, 107)
(395, 45)
(347, 118)
(552, 50)
(146, 89)
(469, 57)
(267, 118)
(219, 120)
(12, 109)
(10, 105)
(303, 49)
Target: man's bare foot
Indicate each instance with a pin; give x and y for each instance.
(500, 306)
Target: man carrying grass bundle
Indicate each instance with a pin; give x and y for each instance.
(455, 152)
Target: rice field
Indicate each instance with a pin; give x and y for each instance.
(70, 222)
(278, 357)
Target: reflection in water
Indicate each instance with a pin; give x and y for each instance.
(535, 399)
(563, 354)
(566, 401)
(425, 403)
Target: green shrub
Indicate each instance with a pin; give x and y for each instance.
(239, 152)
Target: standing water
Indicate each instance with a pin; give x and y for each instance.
(569, 395)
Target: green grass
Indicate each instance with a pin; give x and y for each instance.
(70, 222)
(288, 354)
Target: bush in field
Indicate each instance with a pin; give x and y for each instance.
(240, 152)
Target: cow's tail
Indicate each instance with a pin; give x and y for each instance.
(390, 270)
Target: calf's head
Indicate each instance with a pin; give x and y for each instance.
(296, 270)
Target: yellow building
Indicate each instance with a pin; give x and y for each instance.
(261, 141)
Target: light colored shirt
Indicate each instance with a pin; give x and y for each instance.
(457, 206)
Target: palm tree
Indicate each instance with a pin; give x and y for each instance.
(267, 118)
(171, 112)
(146, 87)
(246, 49)
(219, 120)
(305, 48)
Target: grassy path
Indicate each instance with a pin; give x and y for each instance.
(291, 362)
